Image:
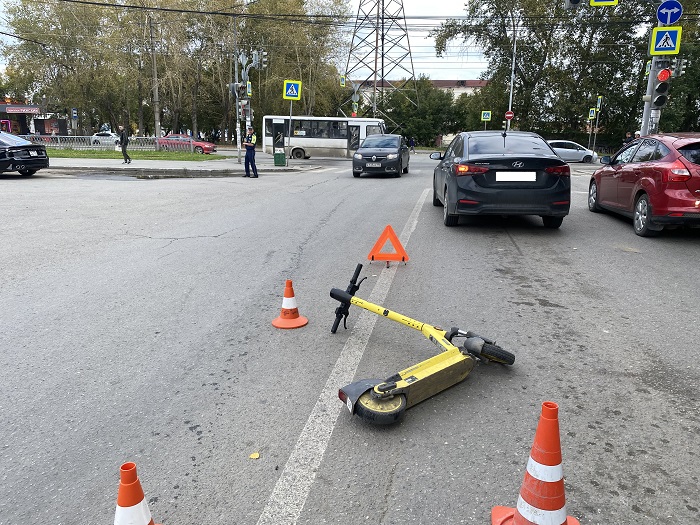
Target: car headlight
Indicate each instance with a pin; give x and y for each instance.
(358, 156)
(392, 156)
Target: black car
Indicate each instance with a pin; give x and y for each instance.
(501, 173)
(18, 154)
(381, 154)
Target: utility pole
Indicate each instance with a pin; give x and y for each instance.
(156, 103)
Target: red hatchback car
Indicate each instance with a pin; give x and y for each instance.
(655, 180)
(181, 142)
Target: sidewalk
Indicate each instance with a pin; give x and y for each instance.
(155, 169)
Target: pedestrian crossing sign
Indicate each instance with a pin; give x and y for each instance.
(485, 116)
(665, 40)
(292, 90)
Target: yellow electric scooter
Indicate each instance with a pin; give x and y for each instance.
(385, 401)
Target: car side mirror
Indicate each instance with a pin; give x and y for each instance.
(605, 159)
(436, 156)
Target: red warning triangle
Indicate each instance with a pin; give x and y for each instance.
(388, 234)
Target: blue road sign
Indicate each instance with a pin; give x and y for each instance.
(292, 90)
(486, 116)
(665, 40)
(669, 12)
(75, 113)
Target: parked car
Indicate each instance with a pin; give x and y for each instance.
(182, 142)
(655, 180)
(572, 151)
(105, 138)
(381, 153)
(18, 154)
(501, 173)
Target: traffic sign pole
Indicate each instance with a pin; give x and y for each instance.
(669, 12)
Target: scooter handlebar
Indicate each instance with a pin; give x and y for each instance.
(341, 295)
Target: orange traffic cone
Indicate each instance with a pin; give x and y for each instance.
(289, 316)
(132, 508)
(541, 500)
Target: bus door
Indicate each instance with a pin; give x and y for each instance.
(353, 138)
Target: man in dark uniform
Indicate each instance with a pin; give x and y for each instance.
(249, 143)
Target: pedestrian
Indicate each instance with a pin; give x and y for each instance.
(412, 144)
(124, 141)
(249, 143)
(628, 138)
(637, 134)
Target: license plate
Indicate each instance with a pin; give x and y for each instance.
(516, 176)
(374, 164)
(32, 153)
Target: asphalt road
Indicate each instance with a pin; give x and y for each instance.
(135, 325)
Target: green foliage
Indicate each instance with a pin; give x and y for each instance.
(565, 59)
(100, 59)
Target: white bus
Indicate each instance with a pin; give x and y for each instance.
(319, 136)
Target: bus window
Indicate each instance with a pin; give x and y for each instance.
(339, 130)
(268, 128)
(374, 130)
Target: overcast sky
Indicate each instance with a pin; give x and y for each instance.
(422, 16)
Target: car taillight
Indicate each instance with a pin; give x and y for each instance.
(561, 171)
(469, 169)
(676, 172)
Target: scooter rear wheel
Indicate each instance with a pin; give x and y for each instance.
(496, 353)
(380, 411)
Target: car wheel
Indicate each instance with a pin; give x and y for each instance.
(356, 174)
(27, 173)
(447, 217)
(593, 197)
(199, 149)
(405, 170)
(436, 200)
(399, 170)
(641, 221)
(298, 153)
(587, 159)
(552, 222)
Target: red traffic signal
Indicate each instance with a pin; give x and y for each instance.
(664, 75)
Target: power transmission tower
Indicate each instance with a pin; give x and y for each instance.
(380, 58)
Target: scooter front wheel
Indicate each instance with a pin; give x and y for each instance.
(381, 411)
(496, 353)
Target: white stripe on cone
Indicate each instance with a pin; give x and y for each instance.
(289, 303)
(546, 473)
(135, 515)
(539, 516)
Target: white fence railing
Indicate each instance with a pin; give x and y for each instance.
(86, 143)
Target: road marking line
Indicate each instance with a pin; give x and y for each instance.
(294, 484)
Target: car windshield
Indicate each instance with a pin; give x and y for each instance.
(7, 139)
(380, 141)
(511, 144)
(691, 152)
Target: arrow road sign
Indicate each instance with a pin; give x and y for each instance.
(292, 90)
(669, 12)
(665, 40)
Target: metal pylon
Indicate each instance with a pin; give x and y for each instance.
(380, 54)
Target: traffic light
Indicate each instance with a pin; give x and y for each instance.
(659, 96)
(572, 4)
(243, 104)
(679, 65)
(264, 59)
(242, 90)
